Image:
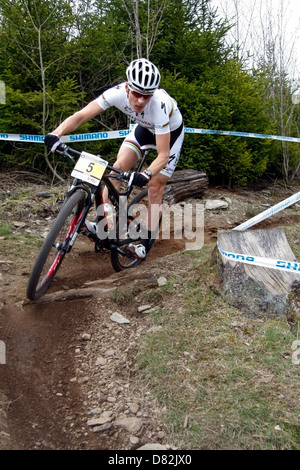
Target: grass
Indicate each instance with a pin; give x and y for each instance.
(13, 245)
(20, 204)
(224, 380)
(121, 296)
(5, 229)
(16, 246)
(24, 201)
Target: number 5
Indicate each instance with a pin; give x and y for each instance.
(90, 167)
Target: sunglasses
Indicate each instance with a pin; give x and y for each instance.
(139, 95)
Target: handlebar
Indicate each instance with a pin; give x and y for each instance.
(68, 152)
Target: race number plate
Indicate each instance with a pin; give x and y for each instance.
(89, 168)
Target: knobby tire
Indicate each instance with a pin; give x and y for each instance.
(55, 246)
(120, 262)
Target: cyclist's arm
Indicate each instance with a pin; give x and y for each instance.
(163, 153)
(80, 117)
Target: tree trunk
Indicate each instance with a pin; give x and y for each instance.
(185, 184)
(254, 289)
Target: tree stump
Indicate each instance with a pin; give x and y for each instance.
(257, 290)
(185, 184)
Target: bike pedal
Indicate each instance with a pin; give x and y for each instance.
(99, 248)
(89, 234)
(132, 254)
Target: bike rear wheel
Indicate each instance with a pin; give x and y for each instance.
(120, 256)
(58, 242)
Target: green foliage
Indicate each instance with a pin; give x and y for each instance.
(230, 100)
(62, 101)
(192, 38)
(57, 56)
(34, 38)
(23, 114)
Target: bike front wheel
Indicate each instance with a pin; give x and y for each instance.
(56, 245)
(138, 209)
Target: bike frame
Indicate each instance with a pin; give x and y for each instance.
(73, 212)
(94, 193)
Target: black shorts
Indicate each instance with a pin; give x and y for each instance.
(140, 138)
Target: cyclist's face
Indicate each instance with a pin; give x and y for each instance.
(137, 101)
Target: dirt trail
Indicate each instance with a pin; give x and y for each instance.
(67, 362)
(51, 378)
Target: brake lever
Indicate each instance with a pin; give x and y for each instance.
(71, 158)
(62, 149)
(124, 176)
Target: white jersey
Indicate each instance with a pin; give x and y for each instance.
(160, 115)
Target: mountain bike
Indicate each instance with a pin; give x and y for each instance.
(91, 175)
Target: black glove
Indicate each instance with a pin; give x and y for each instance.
(138, 179)
(52, 141)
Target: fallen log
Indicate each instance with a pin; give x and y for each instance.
(72, 294)
(185, 184)
(258, 290)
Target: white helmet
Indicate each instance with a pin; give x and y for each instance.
(143, 75)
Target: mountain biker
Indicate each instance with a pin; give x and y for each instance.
(158, 124)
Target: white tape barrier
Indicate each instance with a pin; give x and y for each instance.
(122, 133)
(39, 139)
(291, 266)
(267, 213)
(269, 263)
(241, 134)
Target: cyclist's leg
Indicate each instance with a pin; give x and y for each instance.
(156, 187)
(125, 161)
(128, 155)
(158, 182)
(126, 158)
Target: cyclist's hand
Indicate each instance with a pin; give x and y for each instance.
(138, 179)
(52, 141)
